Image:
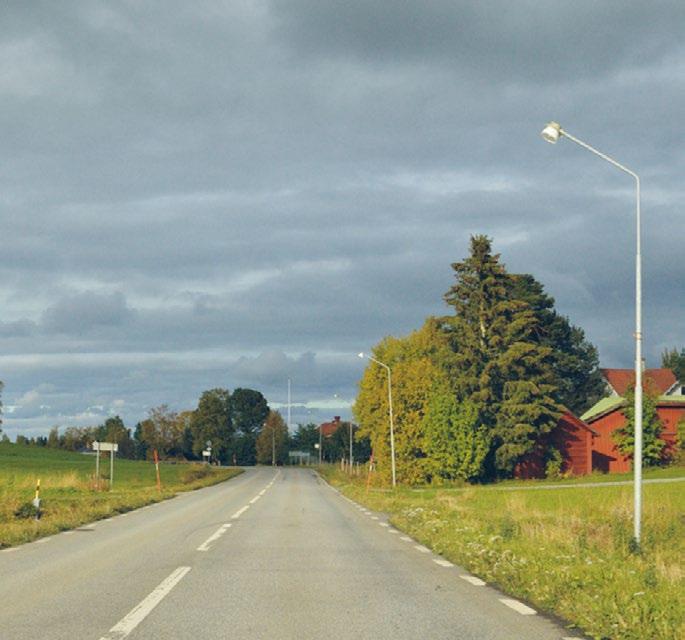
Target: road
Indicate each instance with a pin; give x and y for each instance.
(270, 554)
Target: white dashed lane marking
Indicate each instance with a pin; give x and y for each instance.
(240, 512)
(215, 536)
(134, 617)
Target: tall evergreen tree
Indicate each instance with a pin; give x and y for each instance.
(573, 358)
(499, 366)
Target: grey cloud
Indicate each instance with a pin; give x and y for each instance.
(203, 182)
(84, 312)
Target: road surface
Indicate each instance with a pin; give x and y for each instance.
(273, 553)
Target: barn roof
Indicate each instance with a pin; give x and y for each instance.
(658, 380)
(607, 405)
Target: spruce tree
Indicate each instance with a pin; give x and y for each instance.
(499, 366)
(574, 359)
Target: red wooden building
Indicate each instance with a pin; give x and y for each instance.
(574, 440)
(586, 444)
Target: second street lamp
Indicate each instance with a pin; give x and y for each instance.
(551, 133)
(392, 428)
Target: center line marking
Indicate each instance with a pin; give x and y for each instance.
(136, 615)
(240, 512)
(215, 536)
(255, 499)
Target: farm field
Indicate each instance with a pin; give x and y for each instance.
(69, 496)
(567, 552)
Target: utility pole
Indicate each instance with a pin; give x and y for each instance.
(351, 458)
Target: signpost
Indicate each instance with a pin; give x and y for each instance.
(112, 447)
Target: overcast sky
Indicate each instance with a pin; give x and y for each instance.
(224, 194)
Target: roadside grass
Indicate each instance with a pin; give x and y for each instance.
(69, 496)
(566, 552)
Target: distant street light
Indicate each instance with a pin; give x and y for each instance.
(551, 133)
(392, 429)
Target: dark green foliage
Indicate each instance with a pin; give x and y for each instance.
(248, 410)
(573, 359)
(305, 437)
(113, 430)
(652, 444)
(211, 421)
(337, 446)
(500, 366)
(675, 361)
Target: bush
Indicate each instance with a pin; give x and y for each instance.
(25, 511)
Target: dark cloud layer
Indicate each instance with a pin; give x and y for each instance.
(231, 194)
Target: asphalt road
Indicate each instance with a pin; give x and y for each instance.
(270, 554)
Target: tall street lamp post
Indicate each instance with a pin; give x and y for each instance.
(551, 133)
(392, 428)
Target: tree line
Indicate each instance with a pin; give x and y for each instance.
(239, 427)
(474, 391)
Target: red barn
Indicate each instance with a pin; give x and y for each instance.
(574, 440)
(607, 416)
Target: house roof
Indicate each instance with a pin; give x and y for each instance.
(329, 428)
(658, 380)
(574, 420)
(602, 407)
(607, 405)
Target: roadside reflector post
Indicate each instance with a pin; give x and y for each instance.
(156, 458)
(36, 499)
(96, 446)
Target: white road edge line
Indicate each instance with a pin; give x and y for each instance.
(421, 548)
(517, 606)
(215, 536)
(383, 524)
(136, 615)
(406, 539)
(473, 580)
(442, 562)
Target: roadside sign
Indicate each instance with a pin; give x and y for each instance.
(113, 447)
(105, 446)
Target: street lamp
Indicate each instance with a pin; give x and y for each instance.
(551, 133)
(392, 430)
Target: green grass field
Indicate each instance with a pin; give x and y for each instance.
(69, 495)
(566, 551)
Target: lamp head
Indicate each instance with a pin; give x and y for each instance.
(361, 355)
(552, 132)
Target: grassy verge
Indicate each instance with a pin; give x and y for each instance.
(69, 496)
(566, 552)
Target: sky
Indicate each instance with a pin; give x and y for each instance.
(231, 194)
